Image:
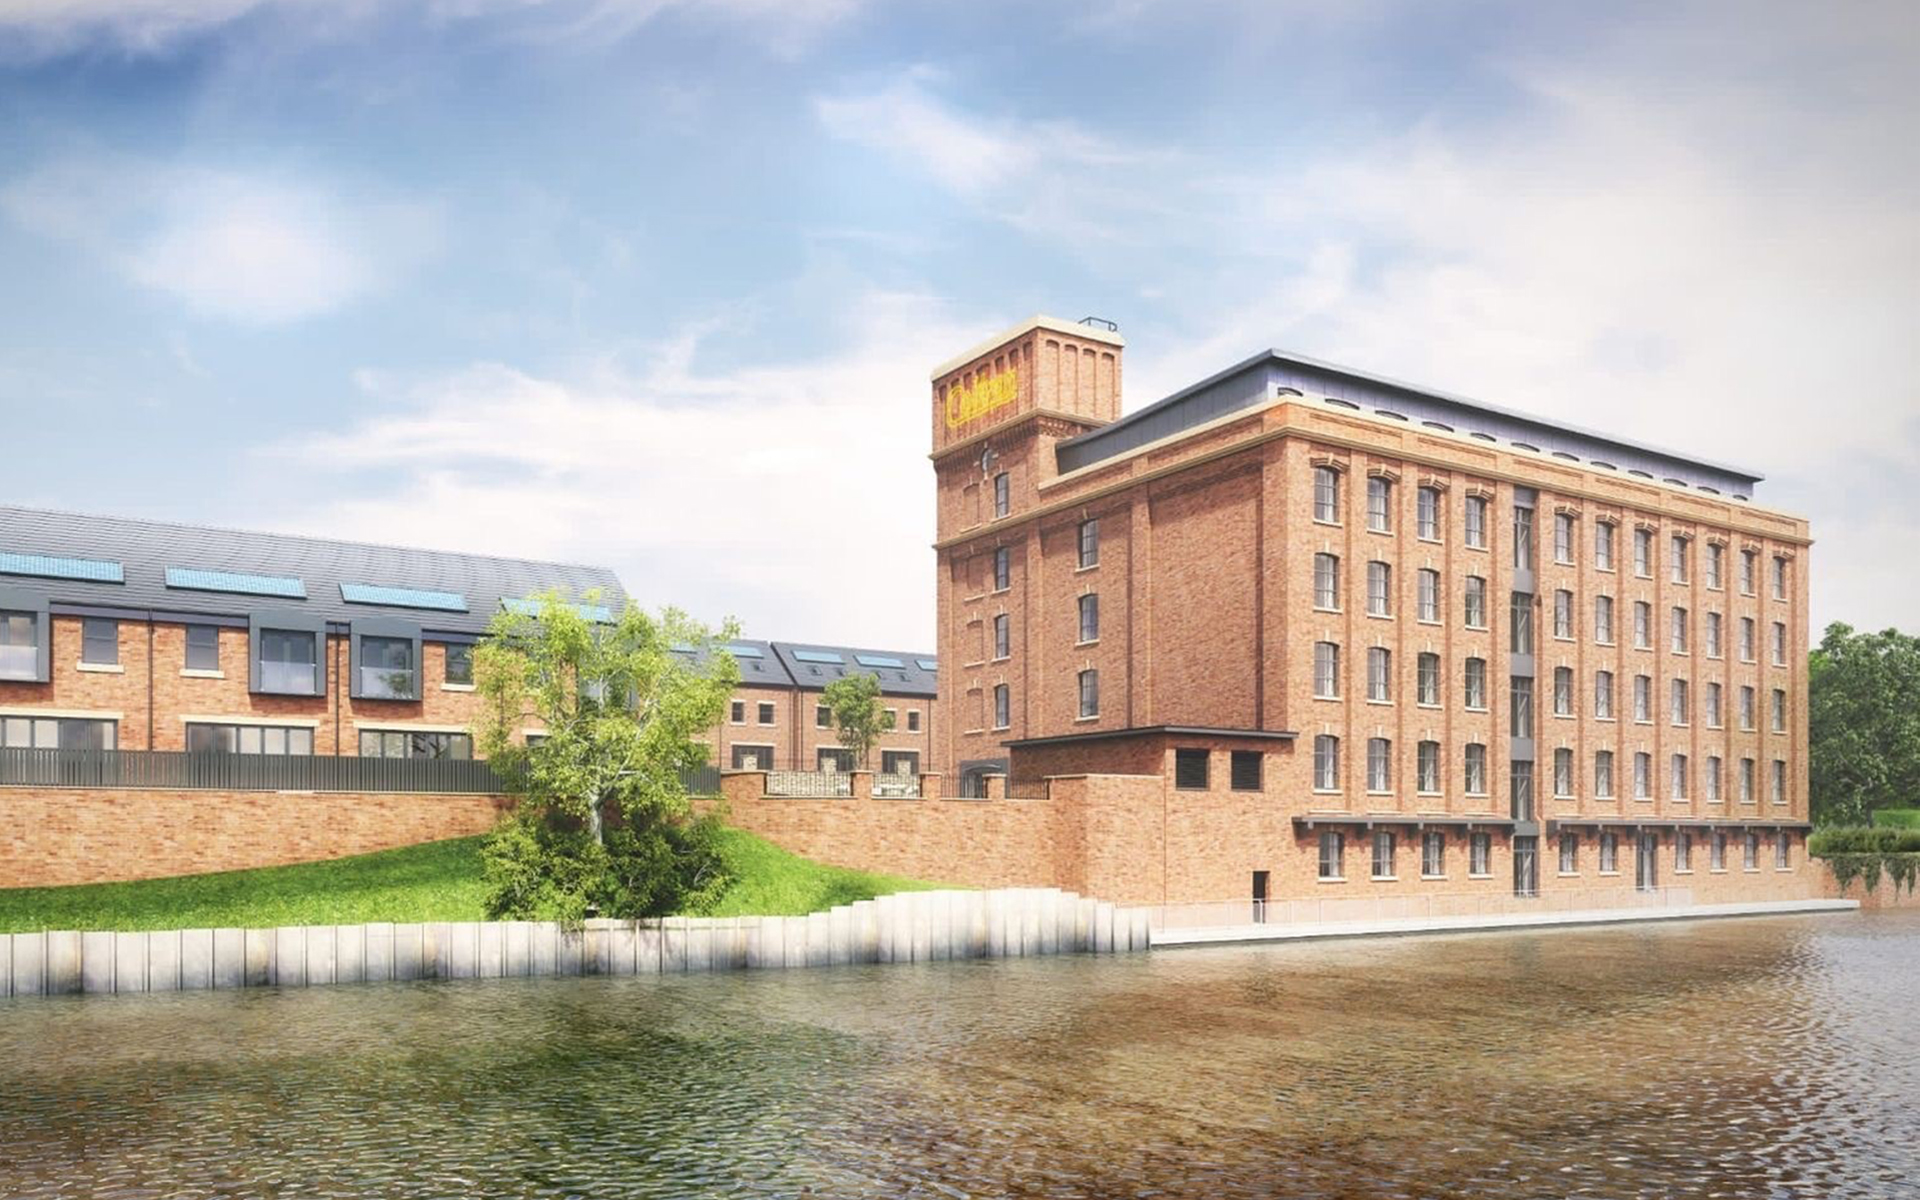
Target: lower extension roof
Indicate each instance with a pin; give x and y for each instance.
(1555, 825)
(1107, 735)
(1423, 820)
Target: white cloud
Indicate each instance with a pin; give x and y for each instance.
(254, 249)
(34, 29)
(795, 495)
(1673, 238)
(1045, 177)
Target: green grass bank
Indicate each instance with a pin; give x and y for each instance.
(436, 881)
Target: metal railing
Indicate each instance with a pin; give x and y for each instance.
(1334, 910)
(809, 783)
(201, 771)
(904, 785)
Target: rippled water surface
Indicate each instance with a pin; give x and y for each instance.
(1776, 1057)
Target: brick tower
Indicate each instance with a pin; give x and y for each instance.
(998, 410)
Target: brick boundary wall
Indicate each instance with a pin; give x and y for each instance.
(50, 837)
(1883, 896)
(1135, 839)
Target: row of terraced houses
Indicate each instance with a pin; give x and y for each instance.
(1294, 630)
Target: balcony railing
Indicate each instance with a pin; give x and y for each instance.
(220, 772)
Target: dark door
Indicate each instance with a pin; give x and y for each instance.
(1259, 897)
(1526, 865)
(1646, 866)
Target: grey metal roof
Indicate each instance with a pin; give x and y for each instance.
(759, 665)
(907, 679)
(148, 548)
(1254, 380)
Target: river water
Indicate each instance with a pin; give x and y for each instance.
(1763, 1057)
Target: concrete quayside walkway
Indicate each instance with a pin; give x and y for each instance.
(1182, 925)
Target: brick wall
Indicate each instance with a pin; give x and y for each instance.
(51, 837)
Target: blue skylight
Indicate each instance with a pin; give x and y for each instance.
(230, 581)
(877, 660)
(739, 651)
(928, 664)
(368, 593)
(531, 608)
(93, 570)
(817, 656)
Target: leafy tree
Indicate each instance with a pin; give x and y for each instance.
(854, 702)
(601, 821)
(1863, 717)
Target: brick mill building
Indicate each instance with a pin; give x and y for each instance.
(1361, 636)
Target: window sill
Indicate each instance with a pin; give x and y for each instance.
(1328, 792)
(457, 687)
(1089, 717)
(1321, 609)
(1331, 879)
(1092, 566)
(1609, 874)
(1424, 875)
(1384, 878)
(1088, 642)
(1431, 541)
(195, 673)
(1322, 521)
(1381, 703)
(101, 668)
(1476, 708)
(1566, 874)
(1479, 874)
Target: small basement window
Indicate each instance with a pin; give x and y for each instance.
(1245, 770)
(1190, 769)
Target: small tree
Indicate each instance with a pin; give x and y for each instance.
(854, 703)
(602, 821)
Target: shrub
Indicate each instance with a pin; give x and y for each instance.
(1855, 839)
(1897, 818)
(1866, 854)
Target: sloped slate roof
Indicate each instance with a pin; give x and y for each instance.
(907, 679)
(148, 548)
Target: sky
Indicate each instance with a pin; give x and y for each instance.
(658, 284)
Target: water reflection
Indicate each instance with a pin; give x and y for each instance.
(1740, 1058)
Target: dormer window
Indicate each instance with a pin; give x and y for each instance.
(289, 662)
(386, 668)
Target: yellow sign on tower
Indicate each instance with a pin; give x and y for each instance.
(981, 397)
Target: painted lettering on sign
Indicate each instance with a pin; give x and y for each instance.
(981, 397)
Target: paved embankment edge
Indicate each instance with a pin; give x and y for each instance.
(1224, 934)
